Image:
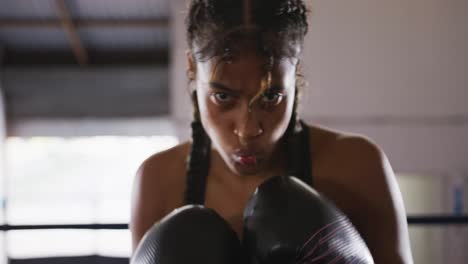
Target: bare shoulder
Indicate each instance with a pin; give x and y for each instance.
(352, 161)
(355, 163)
(163, 167)
(354, 172)
(339, 152)
(157, 187)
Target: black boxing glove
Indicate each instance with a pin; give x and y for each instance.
(287, 222)
(190, 234)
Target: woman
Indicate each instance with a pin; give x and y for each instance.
(243, 67)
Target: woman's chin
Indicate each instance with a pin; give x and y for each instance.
(246, 169)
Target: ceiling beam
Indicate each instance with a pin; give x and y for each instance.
(88, 23)
(74, 38)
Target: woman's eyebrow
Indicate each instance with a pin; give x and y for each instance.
(222, 87)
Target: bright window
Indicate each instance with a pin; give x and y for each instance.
(84, 180)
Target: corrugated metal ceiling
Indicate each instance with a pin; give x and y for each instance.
(119, 9)
(40, 39)
(101, 25)
(125, 38)
(26, 9)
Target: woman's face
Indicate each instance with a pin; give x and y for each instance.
(244, 131)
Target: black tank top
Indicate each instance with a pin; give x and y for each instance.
(298, 162)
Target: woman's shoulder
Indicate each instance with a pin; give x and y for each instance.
(160, 179)
(165, 168)
(354, 172)
(343, 158)
(157, 188)
(333, 143)
(167, 160)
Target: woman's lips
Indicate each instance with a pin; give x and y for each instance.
(246, 158)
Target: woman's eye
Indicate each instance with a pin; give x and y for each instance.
(272, 98)
(221, 98)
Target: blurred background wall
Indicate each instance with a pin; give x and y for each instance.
(86, 103)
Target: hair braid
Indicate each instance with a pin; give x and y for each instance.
(198, 160)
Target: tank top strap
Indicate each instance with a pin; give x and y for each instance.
(306, 154)
(299, 155)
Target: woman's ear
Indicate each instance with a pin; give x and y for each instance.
(192, 67)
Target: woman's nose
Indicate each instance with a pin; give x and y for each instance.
(249, 125)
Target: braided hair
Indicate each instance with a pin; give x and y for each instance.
(214, 28)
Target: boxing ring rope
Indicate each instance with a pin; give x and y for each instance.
(412, 220)
(426, 220)
(438, 220)
(66, 226)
